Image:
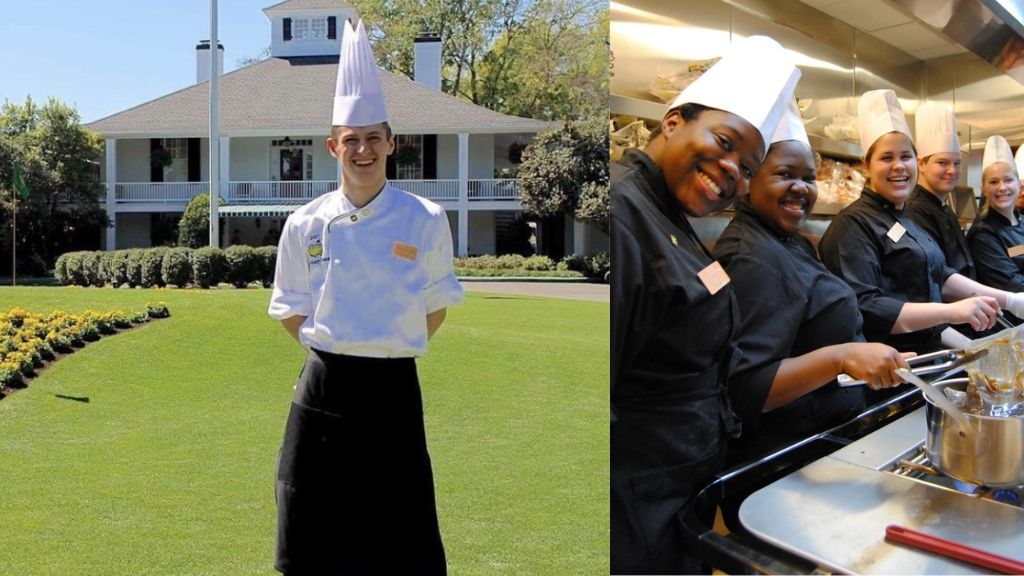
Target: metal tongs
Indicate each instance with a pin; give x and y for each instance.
(951, 359)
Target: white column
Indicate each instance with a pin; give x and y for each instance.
(578, 236)
(225, 166)
(463, 195)
(111, 167)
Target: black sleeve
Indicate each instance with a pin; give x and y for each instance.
(992, 262)
(634, 313)
(770, 317)
(850, 252)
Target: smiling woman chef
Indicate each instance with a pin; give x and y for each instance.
(897, 271)
(800, 327)
(998, 237)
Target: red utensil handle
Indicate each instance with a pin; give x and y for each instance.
(953, 550)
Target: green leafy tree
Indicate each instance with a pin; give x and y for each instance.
(545, 59)
(565, 171)
(194, 228)
(60, 208)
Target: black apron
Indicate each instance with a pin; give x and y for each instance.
(355, 490)
(671, 354)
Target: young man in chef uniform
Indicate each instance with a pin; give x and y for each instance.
(363, 278)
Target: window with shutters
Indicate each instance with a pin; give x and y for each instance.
(309, 28)
(178, 170)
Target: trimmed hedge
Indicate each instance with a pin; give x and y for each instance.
(177, 267)
(209, 266)
(161, 266)
(243, 265)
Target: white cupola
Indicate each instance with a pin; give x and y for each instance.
(308, 27)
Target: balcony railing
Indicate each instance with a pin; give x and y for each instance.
(300, 192)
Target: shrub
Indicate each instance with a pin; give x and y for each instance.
(177, 267)
(60, 269)
(133, 268)
(152, 267)
(10, 375)
(194, 227)
(75, 272)
(119, 267)
(599, 264)
(268, 263)
(537, 263)
(157, 310)
(244, 265)
(106, 272)
(91, 268)
(574, 262)
(208, 266)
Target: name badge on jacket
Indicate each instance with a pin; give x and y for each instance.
(404, 251)
(714, 277)
(1014, 251)
(896, 232)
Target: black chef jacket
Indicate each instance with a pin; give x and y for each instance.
(790, 304)
(990, 238)
(938, 220)
(671, 355)
(886, 274)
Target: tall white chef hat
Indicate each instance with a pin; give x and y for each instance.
(358, 98)
(997, 149)
(936, 130)
(791, 127)
(879, 113)
(754, 80)
(1020, 161)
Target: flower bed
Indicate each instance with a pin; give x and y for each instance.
(29, 340)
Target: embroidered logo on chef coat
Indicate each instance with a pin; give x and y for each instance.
(404, 251)
(314, 248)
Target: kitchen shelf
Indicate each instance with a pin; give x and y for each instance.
(835, 148)
(646, 109)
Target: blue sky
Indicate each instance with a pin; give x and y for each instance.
(105, 56)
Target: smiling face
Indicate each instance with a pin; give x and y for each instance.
(709, 159)
(892, 167)
(939, 172)
(784, 190)
(1001, 187)
(362, 152)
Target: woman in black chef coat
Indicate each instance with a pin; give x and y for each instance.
(674, 315)
(800, 325)
(997, 238)
(895, 268)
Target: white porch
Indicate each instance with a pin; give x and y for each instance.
(454, 170)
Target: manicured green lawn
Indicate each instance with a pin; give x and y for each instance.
(153, 451)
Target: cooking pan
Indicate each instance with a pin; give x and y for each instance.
(993, 455)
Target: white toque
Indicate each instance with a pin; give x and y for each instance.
(879, 113)
(997, 149)
(358, 98)
(791, 126)
(935, 125)
(755, 80)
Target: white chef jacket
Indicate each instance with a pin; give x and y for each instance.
(365, 278)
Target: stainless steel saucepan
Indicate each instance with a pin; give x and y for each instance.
(992, 456)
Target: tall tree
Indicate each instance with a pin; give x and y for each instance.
(545, 59)
(56, 157)
(565, 171)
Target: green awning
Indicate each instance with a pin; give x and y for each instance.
(253, 210)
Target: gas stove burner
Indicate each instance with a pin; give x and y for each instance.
(914, 464)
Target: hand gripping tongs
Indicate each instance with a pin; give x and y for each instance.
(932, 363)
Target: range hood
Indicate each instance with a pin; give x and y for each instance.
(990, 29)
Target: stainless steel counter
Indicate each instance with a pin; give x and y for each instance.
(835, 510)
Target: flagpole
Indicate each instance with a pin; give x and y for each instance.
(14, 240)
